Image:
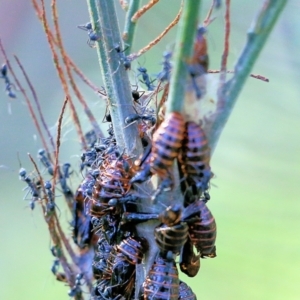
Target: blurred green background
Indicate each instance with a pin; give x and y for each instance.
(255, 193)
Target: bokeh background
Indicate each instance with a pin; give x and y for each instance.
(255, 192)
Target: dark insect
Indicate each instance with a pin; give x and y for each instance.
(123, 57)
(164, 75)
(162, 281)
(136, 95)
(199, 61)
(145, 117)
(203, 231)
(64, 174)
(195, 157)
(113, 182)
(59, 275)
(189, 261)
(44, 159)
(76, 291)
(91, 138)
(217, 3)
(93, 37)
(167, 142)
(129, 253)
(8, 85)
(119, 274)
(82, 226)
(171, 215)
(88, 158)
(200, 57)
(50, 198)
(55, 266)
(102, 265)
(171, 238)
(185, 292)
(33, 187)
(146, 79)
(108, 117)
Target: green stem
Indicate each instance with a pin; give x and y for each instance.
(257, 36)
(183, 50)
(129, 28)
(117, 85)
(102, 57)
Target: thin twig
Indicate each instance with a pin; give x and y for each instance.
(55, 169)
(208, 19)
(257, 37)
(55, 236)
(226, 44)
(129, 27)
(65, 240)
(20, 87)
(143, 9)
(72, 82)
(70, 61)
(134, 56)
(60, 72)
(37, 102)
(260, 77)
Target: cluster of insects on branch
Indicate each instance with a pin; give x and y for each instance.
(106, 248)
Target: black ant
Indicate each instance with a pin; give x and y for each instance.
(76, 291)
(164, 75)
(93, 37)
(146, 78)
(8, 84)
(123, 57)
(42, 156)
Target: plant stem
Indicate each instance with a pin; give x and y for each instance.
(118, 89)
(257, 36)
(129, 28)
(102, 56)
(183, 50)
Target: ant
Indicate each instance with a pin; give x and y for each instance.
(8, 84)
(136, 95)
(200, 60)
(91, 138)
(51, 204)
(164, 75)
(123, 57)
(134, 117)
(45, 161)
(63, 178)
(76, 291)
(146, 78)
(93, 37)
(31, 185)
(54, 269)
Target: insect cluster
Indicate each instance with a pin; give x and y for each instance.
(106, 205)
(106, 208)
(106, 249)
(109, 199)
